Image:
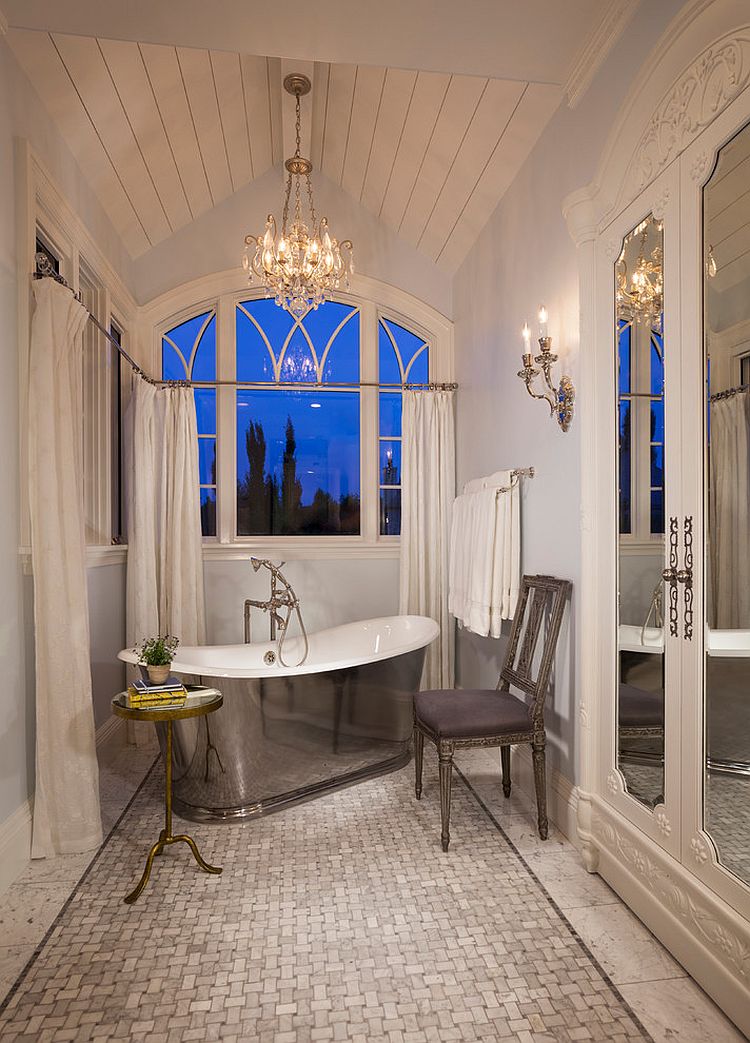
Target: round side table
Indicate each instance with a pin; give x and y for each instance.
(199, 704)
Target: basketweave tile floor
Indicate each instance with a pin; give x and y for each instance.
(339, 919)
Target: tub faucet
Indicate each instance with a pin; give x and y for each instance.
(655, 609)
(281, 605)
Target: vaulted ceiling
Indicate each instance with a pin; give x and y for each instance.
(163, 133)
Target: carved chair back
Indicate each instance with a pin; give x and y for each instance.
(541, 599)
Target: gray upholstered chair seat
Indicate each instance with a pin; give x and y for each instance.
(471, 713)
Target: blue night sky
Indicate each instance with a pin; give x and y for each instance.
(326, 425)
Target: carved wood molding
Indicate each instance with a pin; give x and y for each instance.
(714, 79)
(717, 934)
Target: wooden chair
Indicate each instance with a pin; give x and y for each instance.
(455, 719)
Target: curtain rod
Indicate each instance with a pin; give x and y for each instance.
(730, 392)
(44, 270)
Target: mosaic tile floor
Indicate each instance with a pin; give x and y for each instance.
(342, 919)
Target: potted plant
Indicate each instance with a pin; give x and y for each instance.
(155, 657)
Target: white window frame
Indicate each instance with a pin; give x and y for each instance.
(374, 299)
(44, 211)
(640, 538)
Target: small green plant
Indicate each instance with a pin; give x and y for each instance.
(157, 651)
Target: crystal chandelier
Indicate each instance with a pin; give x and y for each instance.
(640, 296)
(302, 266)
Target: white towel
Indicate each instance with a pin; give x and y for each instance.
(484, 568)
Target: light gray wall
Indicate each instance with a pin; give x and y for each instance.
(330, 592)
(525, 257)
(22, 116)
(106, 588)
(214, 242)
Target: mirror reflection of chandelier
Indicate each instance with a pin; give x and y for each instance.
(302, 266)
(640, 293)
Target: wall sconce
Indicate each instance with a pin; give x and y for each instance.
(559, 399)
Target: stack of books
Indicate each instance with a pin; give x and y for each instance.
(143, 695)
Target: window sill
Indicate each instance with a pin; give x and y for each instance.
(308, 548)
(106, 554)
(635, 547)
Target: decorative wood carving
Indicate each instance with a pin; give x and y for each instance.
(663, 822)
(614, 783)
(660, 205)
(718, 936)
(699, 167)
(700, 94)
(699, 847)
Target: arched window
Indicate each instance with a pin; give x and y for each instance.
(298, 450)
(188, 352)
(299, 420)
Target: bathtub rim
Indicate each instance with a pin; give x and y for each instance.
(128, 655)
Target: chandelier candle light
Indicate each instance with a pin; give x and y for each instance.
(640, 294)
(302, 266)
(559, 399)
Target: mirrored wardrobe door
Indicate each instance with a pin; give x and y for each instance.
(640, 347)
(726, 601)
(642, 663)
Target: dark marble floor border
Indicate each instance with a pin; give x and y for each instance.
(606, 978)
(94, 859)
(472, 791)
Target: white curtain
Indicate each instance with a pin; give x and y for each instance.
(165, 549)
(730, 512)
(66, 800)
(428, 454)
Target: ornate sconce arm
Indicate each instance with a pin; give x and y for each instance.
(559, 399)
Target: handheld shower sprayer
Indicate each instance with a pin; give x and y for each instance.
(282, 598)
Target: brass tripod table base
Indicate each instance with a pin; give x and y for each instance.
(198, 705)
(157, 849)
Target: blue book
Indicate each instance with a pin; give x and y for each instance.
(172, 684)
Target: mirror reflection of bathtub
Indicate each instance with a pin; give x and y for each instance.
(286, 734)
(727, 694)
(728, 644)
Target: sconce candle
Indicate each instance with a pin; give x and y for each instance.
(560, 398)
(542, 323)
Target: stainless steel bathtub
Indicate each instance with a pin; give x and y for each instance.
(291, 734)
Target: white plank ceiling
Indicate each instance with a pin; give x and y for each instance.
(165, 133)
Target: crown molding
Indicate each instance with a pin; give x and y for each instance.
(596, 47)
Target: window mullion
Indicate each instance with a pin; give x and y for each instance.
(226, 491)
(369, 447)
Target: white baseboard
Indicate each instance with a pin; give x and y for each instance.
(562, 795)
(15, 832)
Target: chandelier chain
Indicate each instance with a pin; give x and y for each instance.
(304, 264)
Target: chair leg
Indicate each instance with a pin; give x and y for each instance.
(445, 757)
(505, 762)
(540, 782)
(418, 756)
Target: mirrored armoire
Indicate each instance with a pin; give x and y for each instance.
(663, 238)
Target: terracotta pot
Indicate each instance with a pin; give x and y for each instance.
(158, 674)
